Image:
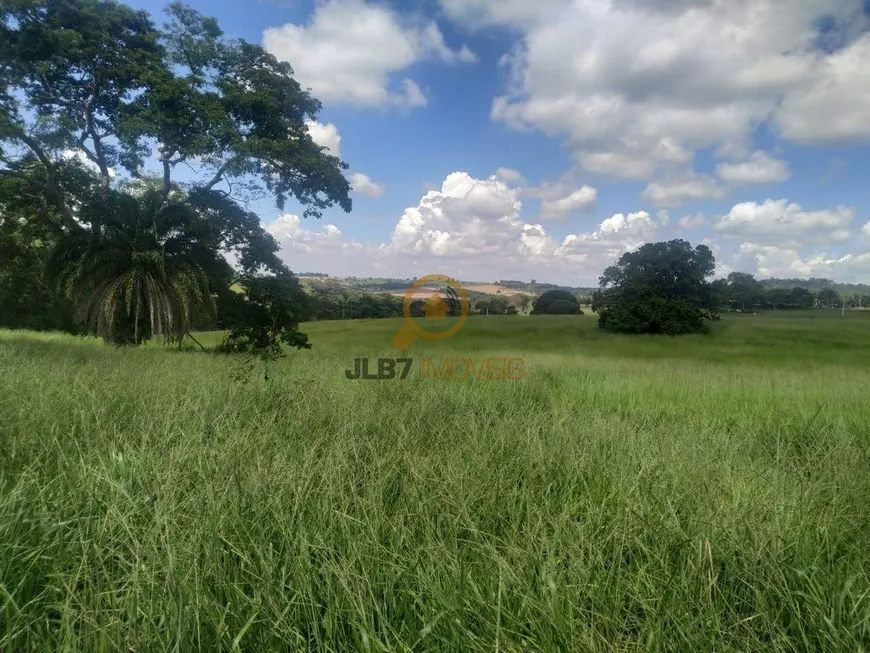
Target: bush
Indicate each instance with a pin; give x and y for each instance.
(556, 302)
(265, 316)
(562, 307)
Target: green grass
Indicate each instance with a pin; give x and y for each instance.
(631, 493)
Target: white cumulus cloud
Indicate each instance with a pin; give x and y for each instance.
(470, 228)
(561, 197)
(326, 135)
(361, 183)
(831, 105)
(772, 261)
(294, 238)
(635, 88)
(760, 168)
(782, 223)
(350, 51)
(580, 199)
(473, 229)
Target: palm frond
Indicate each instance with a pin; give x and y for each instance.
(128, 279)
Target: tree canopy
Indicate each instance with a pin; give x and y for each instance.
(556, 302)
(659, 288)
(100, 111)
(744, 289)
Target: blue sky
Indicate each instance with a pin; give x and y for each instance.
(492, 139)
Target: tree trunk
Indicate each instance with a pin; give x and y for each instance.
(190, 335)
(136, 324)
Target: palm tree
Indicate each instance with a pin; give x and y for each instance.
(143, 275)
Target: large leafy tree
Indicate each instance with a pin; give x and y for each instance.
(659, 288)
(27, 298)
(94, 96)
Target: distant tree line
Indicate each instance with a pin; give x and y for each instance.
(380, 285)
(815, 285)
(334, 300)
(535, 287)
(743, 292)
(738, 291)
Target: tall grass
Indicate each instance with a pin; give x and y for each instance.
(629, 494)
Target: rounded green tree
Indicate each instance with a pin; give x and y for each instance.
(556, 302)
(659, 288)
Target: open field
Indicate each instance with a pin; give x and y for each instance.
(631, 493)
(494, 288)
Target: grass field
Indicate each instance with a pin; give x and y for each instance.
(706, 493)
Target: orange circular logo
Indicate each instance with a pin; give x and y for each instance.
(435, 308)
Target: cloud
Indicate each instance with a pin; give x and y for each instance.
(580, 199)
(466, 217)
(410, 97)
(326, 135)
(772, 261)
(82, 158)
(692, 221)
(615, 235)
(785, 223)
(758, 169)
(509, 176)
(363, 184)
(470, 228)
(350, 50)
(514, 13)
(634, 89)
(562, 197)
(465, 55)
(294, 238)
(674, 191)
(832, 105)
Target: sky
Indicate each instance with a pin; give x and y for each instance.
(541, 139)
